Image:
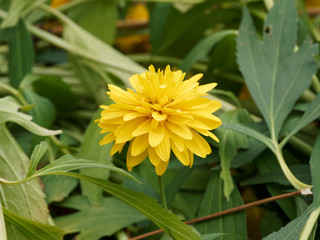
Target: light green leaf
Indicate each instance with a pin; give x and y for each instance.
(315, 170)
(16, 10)
(94, 222)
(230, 142)
(9, 113)
(312, 113)
(91, 149)
(3, 232)
(250, 132)
(36, 156)
(214, 201)
(203, 48)
(32, 229)
(275, 75)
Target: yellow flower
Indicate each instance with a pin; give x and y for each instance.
(164, 113)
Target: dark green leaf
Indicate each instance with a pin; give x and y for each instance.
(214, 201)
(31, 229)
(315, 170)
(275, 75)
(94, 222)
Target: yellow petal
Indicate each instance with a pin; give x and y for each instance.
(133, 115)
(157, 135)
(142, 128)
(133, 161)
(107, 139)
(180, 130)
(198, 145)
(116, 148)
(161, 168)
(183, 156)
(158, 116)
(178, 141)
(124, 131)
(206, 88)
(163, 149)
(153, 156)
(139, 144)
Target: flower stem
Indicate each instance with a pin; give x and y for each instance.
(163, 196)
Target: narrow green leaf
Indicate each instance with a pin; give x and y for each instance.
(169, 222)
(3, 232)
(214, 201)
(21, 56)
(250, 132)
(275, 75)
(315, 170)
(36, 156)
(212, 236)
(31, 229)
(203, 48)
(230, 143)
(95, 222)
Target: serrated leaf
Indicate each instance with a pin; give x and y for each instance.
(94, 222)
(32, 229)
(203, 47)
(230, 142)
(275, 75)
(36, 156)
(214, 201)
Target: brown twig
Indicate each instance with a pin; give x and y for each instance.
(225, 212)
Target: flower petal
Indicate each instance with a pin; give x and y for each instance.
(181, 130)
(163, 149)
(198, 145)
(139, 144)
(107, 139)
(133, 161)
(153, 156)
(161, 168)
(157, 135)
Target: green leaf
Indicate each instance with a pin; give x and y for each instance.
(250, 132)
(203, 47)
(94, 222)
(214, 201)
(315, 169)
(230, 142)
(212, 236)
(36, 156)
(91, 149)
(32, 229)
(58, 187)
(9, 113)
(3, 232)
(169, 222)
(275, 75)
(21, 56)
(312, 113)
(93, 16)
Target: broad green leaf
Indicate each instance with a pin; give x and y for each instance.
(312, 113)
(214, 201)
(3, 232)
(203, 47)
(43, 111)
(94, 222)
(250, 132)
(230, 142)
(32, 229)
(270, 223)
(25, 200)
(91, 149)
(9, 113)
(93, 16)
(292, 230)
(300, 171)
(21, 54)
(36, 156)
(58, 187)
(212, 236)
(169, 222)
(16, 10)
(275, 75)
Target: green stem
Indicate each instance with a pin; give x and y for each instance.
(3, 234)
(163, 197)
(310, 224)
(14, 92)
(285, 169)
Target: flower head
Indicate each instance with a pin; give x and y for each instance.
(161, 116)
